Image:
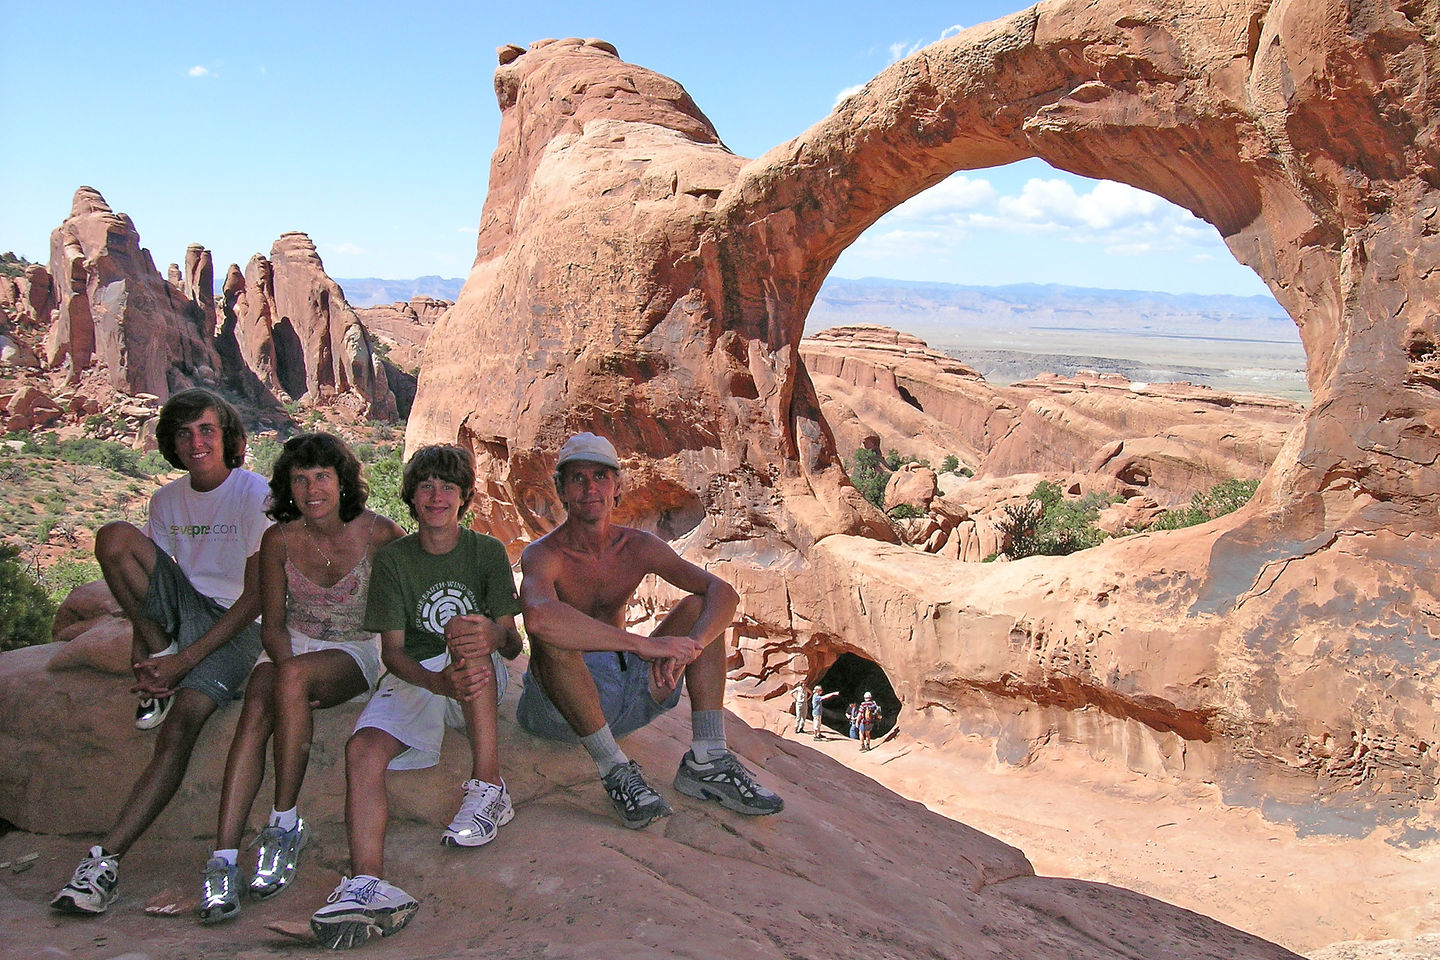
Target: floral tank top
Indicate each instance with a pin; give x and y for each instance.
(332, 614)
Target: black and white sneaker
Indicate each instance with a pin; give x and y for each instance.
(92, 888)
(636, 802)
(725, 780)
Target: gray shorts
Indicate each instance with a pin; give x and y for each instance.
(624, 698)
(184, 613)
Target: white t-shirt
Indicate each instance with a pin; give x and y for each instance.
(212, 534)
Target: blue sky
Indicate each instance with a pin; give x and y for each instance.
(370, 127)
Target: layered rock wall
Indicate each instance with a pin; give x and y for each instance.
(653, 287)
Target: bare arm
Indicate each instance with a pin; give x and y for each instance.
(719, 599)
(462, 682)
(555, 622)
(158, 675)
(273, 584)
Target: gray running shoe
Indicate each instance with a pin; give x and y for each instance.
(725, 780)
(220, 897)
(360, 908)
(92, 888)
(278, 857)
(484, 811)
(635, 801)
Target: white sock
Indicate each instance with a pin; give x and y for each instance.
(229, 856)
(284, 819)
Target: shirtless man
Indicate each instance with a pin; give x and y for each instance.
(590, 680)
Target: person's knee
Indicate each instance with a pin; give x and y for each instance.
(187, 718)
(115, 540)
(684, 614)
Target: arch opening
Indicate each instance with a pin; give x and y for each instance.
(852, 676)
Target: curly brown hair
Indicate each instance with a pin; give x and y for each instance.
(309, 450)
(442, 461)
(187, 406)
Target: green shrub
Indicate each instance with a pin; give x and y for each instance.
(262, 453)
(1225, 497)
(1049, 525)
(26, 611)
(66, 575)
(384, 474)
(950, 464)
(906, 511)
(869, 474)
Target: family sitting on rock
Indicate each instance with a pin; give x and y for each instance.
(341, 593)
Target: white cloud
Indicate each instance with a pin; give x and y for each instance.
(473, 231)
(199, 71)
(899, 50)
(1107, 206)
(1119, 220)
(344, 249)
(848, 92)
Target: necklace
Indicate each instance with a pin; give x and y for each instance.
(318, 549)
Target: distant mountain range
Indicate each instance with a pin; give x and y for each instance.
(369, 291)
(939, 311)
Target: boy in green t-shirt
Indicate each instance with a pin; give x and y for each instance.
(441, 583)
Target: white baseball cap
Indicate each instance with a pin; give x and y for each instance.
(590, 448)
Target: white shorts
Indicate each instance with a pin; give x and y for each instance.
(418, 718)
(365, 653)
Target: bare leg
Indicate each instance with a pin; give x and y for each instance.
(482, 723)
(162, 775)
(367, 753)
(126, 558)
(323, 678)
(705, 676)
(245, 765)
(566, 680)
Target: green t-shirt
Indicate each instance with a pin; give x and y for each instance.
(419, 592)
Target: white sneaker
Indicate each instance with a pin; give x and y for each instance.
(485, 810)
(92, 888)
(360, 908)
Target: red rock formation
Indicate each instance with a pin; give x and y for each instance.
(1175, 440)
(654, 287)
(116, 312)
(910, 883)
(295, 331)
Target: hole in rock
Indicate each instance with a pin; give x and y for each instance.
(852, 676)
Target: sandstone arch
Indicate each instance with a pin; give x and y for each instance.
(635, 277)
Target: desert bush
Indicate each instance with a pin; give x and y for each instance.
(1049, 525)
(869, 474)
(384, 474)
(906, 511)
(1225, 497)
(26, 611)
(950, 464)
(65, 576)
(262, 453)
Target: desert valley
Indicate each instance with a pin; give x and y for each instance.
(1153, 611)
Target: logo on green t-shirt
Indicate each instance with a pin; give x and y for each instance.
(442, 601)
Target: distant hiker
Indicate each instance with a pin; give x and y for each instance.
(443, 601)
(852, 713)
(866, 716)
(314, 570)
(817, 709)
(190, 586)
(800, 701)
(591, 680)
